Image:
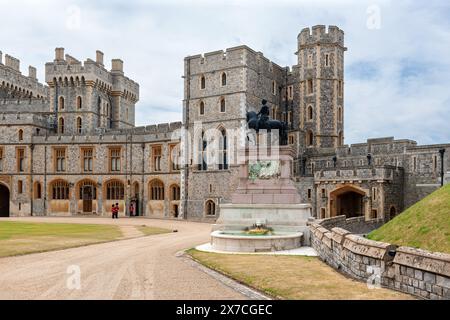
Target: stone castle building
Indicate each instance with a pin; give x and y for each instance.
(71, 147)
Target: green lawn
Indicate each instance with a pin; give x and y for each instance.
(17, 238)
(292, 277)
(425, 225)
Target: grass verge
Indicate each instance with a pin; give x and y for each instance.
(18, 238)
(292, 277)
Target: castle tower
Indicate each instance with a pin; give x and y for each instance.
(321, 67)
(86, 96)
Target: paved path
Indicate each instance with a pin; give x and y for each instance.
(141, 268)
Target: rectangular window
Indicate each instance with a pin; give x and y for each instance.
(374, 214)
(1, 159)
(323, 193)
(414, 164)
(327, 60)
(21, 160)
(156, 158)
(323, 213)
(341, 88)
(60, 159)
(291, 93)
(19, 187)
(114, 159)
(88, 159)
(175, 157)
(435, 164)
(309, 194)
(374, 194)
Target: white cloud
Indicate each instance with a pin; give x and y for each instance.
(396, 76)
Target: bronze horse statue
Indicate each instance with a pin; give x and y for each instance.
(261, 120)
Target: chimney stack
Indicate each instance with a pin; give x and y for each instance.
(117, 65)
(32, 72)
(99, 59)
(59, 54)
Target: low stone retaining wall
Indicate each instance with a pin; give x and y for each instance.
(356, 225)
(413, 271)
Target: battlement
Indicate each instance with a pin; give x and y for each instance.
(18, 85)
(24, 105)
(147, 134)
(228, 58)
(65, 67)
(22, 119)
(320, 34)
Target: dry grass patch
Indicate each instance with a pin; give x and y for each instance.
(149, 231)
(18, 238)
(293, 277)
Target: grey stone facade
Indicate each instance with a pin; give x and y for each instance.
(83, 107)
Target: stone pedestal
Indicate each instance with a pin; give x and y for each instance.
(266, 196)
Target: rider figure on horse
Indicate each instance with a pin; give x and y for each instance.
(263, 116)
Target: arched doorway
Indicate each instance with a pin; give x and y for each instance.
(347, 201)
(392, 212)
(4, 201)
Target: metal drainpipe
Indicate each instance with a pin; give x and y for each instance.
(442, 152)
(31, 176)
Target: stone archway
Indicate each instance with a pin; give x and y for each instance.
(347, 201)
(4, 201)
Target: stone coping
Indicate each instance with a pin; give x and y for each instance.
(219, 234)
(435, 262)
(366, 247)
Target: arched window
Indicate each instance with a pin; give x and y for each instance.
(61, 125)
(87, 190)
(202, 145)
(274, 88)
(136, 190)
(202, 108)
(37, 190)
(223, 146)
(61, 103)
(115, 190)
(79, 125)
(392, 212)
(202, 82)
(222, 105)
(60, 190)
(309, 138)
(20, 135)
(175, 193)
(224, 79)
(310, 113)
(210, 208)
(79, 103)
(156, 190)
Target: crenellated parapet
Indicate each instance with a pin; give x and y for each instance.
(66, 70)
(231, 57)
(319, 34)
(13, 84)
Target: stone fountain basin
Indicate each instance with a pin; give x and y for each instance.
(239, 241)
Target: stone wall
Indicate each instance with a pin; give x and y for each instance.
(417, 272)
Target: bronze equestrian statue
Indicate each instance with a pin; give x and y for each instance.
(261, 120)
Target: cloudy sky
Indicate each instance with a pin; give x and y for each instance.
(397, 65)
